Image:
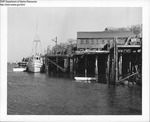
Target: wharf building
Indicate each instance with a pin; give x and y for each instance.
(111, 56)
(97, 40)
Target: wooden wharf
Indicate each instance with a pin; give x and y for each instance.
(109, 66)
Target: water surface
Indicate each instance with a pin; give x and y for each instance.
(42, 94)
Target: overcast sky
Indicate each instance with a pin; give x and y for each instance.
(61, 22)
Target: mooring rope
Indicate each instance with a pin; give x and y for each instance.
(57, 65)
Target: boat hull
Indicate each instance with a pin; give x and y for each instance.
(34, 69)
(34, 66)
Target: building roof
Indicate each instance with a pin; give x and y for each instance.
(105, 34)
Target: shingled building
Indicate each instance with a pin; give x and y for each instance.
(97, 40)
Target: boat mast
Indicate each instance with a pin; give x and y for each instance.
(36, 40)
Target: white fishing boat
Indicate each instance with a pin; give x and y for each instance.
(85, 78)
(35, 63)
(21, 66)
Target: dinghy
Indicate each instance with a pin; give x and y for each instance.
(85, 78)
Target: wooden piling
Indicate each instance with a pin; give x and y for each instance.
(120, 65)
(96, 65)
(46, 64)
(74, 65)
(116, 61)
(68, 68)
(56, 63)
(113, 55)
(113, 70)
(85, 65)
(108, 68)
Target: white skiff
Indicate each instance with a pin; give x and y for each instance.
(85, 78)
(19, 69)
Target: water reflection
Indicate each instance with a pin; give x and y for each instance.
(126, 99)
(60, 75)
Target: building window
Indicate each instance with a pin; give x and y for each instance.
(87, 41)
(78, 41)
(103, 41)
(81, 42)
(95, 41)
(99, 41)
(92, 41)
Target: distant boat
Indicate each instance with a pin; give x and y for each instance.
(21, 66)
(35, 62)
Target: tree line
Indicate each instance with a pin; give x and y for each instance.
(136, 29)
(64, 48)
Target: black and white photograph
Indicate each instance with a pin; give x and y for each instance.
(75, 61)
(77, 56)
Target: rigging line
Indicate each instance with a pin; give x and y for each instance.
(36, 48)
(37, 36)
(37, 25)
(32, 47)
(41, 47)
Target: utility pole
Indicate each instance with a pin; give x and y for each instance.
(55, 40)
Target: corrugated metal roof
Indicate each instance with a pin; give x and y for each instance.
(105, 34)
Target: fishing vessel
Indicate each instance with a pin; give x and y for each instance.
(21, 66)
(35, 63)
